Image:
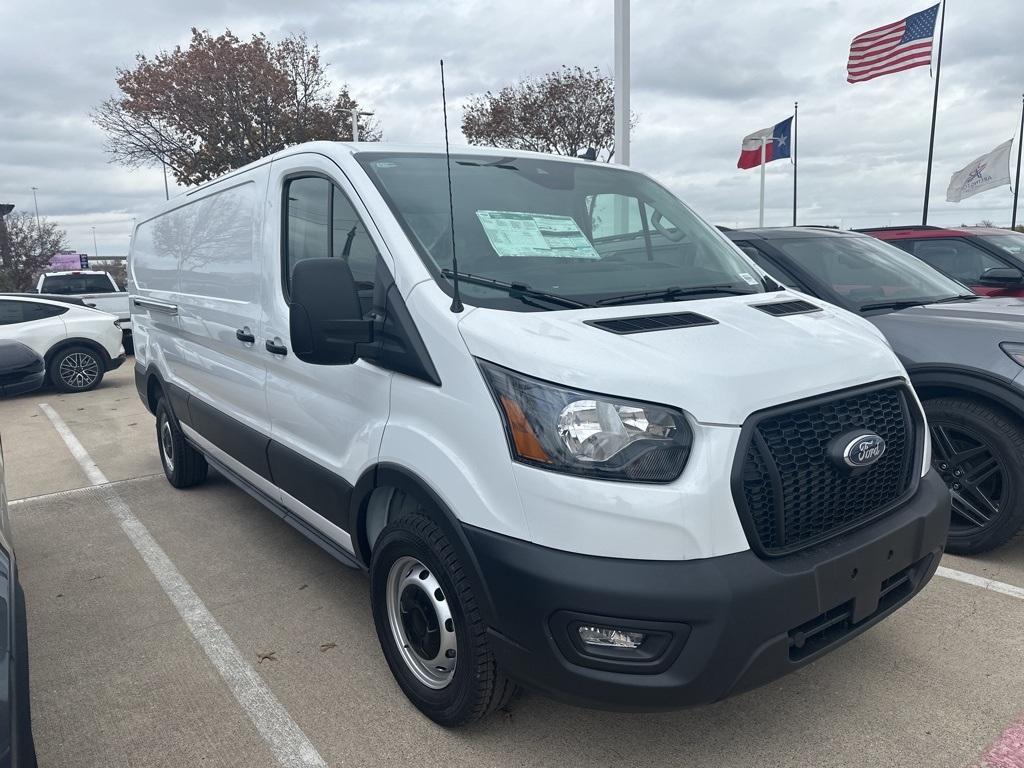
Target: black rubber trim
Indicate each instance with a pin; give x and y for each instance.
(78, 342)
(969, 380)
(240, 442)
(399, 346)
(320, 489)
(750, 429)
(178, 399)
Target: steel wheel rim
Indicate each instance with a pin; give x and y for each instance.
(79, 370)
(167, 444)
(976, 478)
(421, 623)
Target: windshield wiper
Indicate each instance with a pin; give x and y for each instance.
(905, 303)
(515, 290)
(667, 294)
(958, 297)
(895, 304)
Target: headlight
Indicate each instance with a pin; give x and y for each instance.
(581, 433)
(1015, 351)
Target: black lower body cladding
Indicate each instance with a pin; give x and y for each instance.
(722, 625)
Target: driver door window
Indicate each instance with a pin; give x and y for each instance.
(321, 223)
(956, 258)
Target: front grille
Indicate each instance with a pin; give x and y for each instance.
(791, 493)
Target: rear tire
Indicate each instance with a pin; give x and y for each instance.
(76, 369)
(433, 637)
(183, 465)
(978, 450)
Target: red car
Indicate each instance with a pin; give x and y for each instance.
(988, 260)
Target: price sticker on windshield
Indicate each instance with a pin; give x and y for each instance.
(514, 233)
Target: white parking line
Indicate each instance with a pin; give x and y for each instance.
(89, 489)
(285, 739)
(980, 581)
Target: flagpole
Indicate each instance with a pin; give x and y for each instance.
(796, 108)
(935, 110)
(764, 143)
(1016, 183)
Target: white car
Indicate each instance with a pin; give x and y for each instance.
(78, 344)
(603, 454)
(96, 289)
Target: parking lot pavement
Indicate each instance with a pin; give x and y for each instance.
(119, 679)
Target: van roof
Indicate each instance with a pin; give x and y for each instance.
(334, 148)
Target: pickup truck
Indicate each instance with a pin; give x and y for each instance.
(96, 289)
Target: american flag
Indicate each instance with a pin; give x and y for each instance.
(893, 48)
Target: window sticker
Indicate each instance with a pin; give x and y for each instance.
(513, 233)
(749, 278)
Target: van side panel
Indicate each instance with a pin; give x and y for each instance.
(203, 258)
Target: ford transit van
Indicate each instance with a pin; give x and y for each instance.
(578, 439)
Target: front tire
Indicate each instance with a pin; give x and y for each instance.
(76, 369)
(429, 625)
(978, 450)
(183, 465)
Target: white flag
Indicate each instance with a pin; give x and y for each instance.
(987, 172)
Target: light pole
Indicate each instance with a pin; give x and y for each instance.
(95, 249)
(39, 229)
(356, 114)
(622, 81)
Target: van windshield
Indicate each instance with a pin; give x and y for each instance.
(585, 233)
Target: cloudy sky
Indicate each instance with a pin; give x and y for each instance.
(704, 73)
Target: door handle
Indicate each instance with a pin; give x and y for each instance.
(245, 335)
(276, 349)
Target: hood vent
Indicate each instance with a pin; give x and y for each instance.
(646, 323)
(783, 308)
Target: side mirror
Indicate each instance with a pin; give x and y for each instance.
(326, 319)
(1001, 276)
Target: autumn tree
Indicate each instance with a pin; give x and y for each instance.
(28, 250)
(564, 112)
(224, 102)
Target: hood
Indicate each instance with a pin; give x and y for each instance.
(718, 373)
(995, 314)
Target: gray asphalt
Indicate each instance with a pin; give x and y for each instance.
(118, 680)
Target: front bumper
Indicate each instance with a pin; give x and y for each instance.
(733, 622)
(28, 383)
(117, 362)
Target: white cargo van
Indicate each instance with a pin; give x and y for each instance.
(619, 464)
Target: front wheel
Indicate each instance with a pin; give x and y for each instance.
(429, 625)
(978, 451)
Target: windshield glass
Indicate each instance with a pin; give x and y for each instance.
(861, 270)
(581, 231)
(67, 285)
(1011, 243)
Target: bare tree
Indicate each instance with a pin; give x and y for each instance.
(222, 103)
(30, 250)
(563, 112)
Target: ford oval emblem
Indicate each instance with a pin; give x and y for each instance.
(863, 450)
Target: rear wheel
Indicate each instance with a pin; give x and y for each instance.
(978, 451)
(183, 465)
(429, 625)
(76, 369)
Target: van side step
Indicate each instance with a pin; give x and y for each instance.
(343, 556)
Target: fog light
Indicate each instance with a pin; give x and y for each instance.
(606, 637)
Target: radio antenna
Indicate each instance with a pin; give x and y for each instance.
(456, 301)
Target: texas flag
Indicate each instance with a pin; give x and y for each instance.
(776, 147)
